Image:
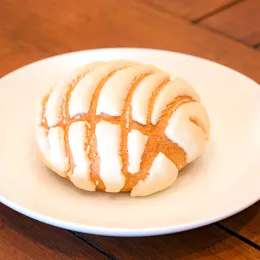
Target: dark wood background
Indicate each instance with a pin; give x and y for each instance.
(225, 31)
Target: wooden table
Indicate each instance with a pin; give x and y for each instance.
(226, 31)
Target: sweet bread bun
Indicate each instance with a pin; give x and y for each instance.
(121, 126)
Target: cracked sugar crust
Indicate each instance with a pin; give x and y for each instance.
(121, 126)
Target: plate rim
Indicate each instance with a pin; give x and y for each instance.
(114, 231)
(126, 49)
(120, 232)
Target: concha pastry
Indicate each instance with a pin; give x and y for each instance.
(121, 126)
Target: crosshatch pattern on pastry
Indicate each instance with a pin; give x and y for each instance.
(121, 126)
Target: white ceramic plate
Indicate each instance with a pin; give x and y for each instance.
(224, 181)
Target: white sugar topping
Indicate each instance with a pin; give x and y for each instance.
(189, 136)
(77, 141)
(108, 147)
(161, 176)
(136, 143)
(168, 94)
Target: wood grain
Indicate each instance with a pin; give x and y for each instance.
(15, 53)
(24, 238)
(52, 28)
(246, 223)
(241, 22)
(204, 243)
(192, 9)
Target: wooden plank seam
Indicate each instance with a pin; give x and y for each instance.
(94, 245)
(238, 236)
(216, 11)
